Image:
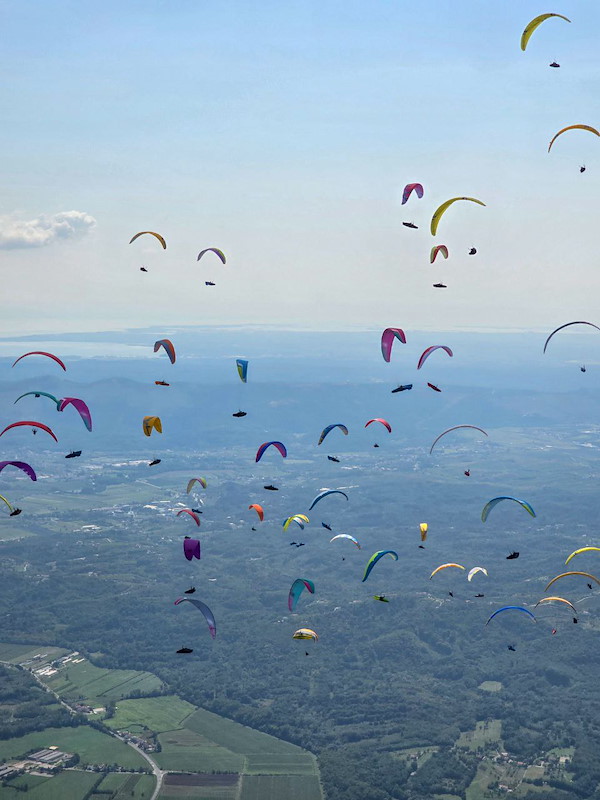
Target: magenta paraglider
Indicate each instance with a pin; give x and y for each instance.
(278, 445)
(426, 353)
(191, 548)
(80, 406)
(387, 340)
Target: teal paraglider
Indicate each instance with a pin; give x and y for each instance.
(375, 558)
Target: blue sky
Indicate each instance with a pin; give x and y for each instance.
(284, 134)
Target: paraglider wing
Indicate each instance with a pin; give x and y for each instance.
(31, 424)
(298, 586)
(40, 353)
(329, 428)
(305, 633)
(214, 250)
(387, 340)
(488, 506)
(445, 566)
(168, 347)
(409, 189)
(435, 220)
(80, 406)
(191, 548)
(384, 422)
(474, 571)
(151, 423)
(26, 468)
(192, 514)
(426, 353)
(438, 248)
(259, 510)
(242, 368)
(423, 528)
(566, 325)
(192, 481)
(299, 519)
(345, 536)
(568, 574)
(10, 507)
(556, 600)
(375, 558)
(325, 493)
(152, 233)
(573, 128)
(511, 608)
(40, 394)
(278, 445)
(534, 24)
(455, 428)
(581, 550)
(208, 615)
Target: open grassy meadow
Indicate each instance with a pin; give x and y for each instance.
(126, 787)
(159, 714)
(96, 685)
(68, 785)
(275, 787)
(16, 653)
(486, 732)
(187, 750)
(92, 746)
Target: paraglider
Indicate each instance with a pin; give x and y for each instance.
(13, 512)
(344, 536)
(271, 488)
(467, 472)
(494, 502)
(41, 353)
(435, 219)
(381, 421)
(305, 633)
(511, 608)
(208, 615)
(151, 233)
(329, 428)
(512, 555)
(219, 253)
(581, 550)
(439, 286)
(26, 468)
(192, 481)
(154, 462)
(534, 24)
(298, 586)
(43, 427)
(192, 514)
(556, 600)
(423, 528)
(73, 454)
(567, 325)
(209, 283)
(143, 269)
(168, 347)
(554, 64)
(436, 250)
(239, 414)
(242, 368)
(583, 369)
(378, 554)
(454, 428)
(191, 548)
(259, 510)
(427, 352)
(434, 387)
(582, 168)
(445, 566)
(381, 597)
(409, 189)
(185, 650)
(299, 519)
(40, 394)
(326, 493)
(573, 128)
(161, 383)
(151, 423)
(191, 590)
(474, 571)
(326, 526)
(388, 338)
(568, 574)
(473, 251)
(333, 458)
(402, 388)
(277, 445)
(410, 225)
(80, 406)
(510, 647)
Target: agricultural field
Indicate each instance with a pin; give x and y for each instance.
(92, 746)
(16, 653)
(96, 685)
(158, 714)
(275, 787)
(486, 732)
(126, 786)
(276, 764)
(68, 785)
(487, 773)
(200, 787)
(188, 751)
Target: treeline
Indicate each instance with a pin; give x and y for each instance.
(26, 707)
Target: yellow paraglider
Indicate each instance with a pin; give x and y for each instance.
(566, 574)
(573, 128)
(534, 24)
(151, 423)
(581, 550)
(557, 600)
(445, 566)
(152, 233)
(435, 220)
(305, 633)
(423, 526)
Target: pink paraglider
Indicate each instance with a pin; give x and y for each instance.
(409, 189)
(387, 340)
(80, 406)
(426, 353)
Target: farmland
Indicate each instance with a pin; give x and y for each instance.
(271, 787)
(96, 685)
(69, 785)
(159, 714)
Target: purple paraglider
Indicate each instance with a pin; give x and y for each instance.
(80, 406)
(191, 548)
(28, 470)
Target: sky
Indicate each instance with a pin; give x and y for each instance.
(284, 133)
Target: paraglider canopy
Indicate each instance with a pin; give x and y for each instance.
(277, 445)
(534, 24)
(40, 353)
(151, 233)
(168, 347)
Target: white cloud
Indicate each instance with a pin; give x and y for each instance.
(43, 230)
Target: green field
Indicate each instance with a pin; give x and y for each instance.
(125, 786)
(96, 685)
(278, 787)
(198, 793)
(92, 746)
(15, 653)
(487, 732)
(13, 533)
(275, 764)
(159, 714)
(187, 751)
(490, 686)
(238, 738)
(68, 785)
